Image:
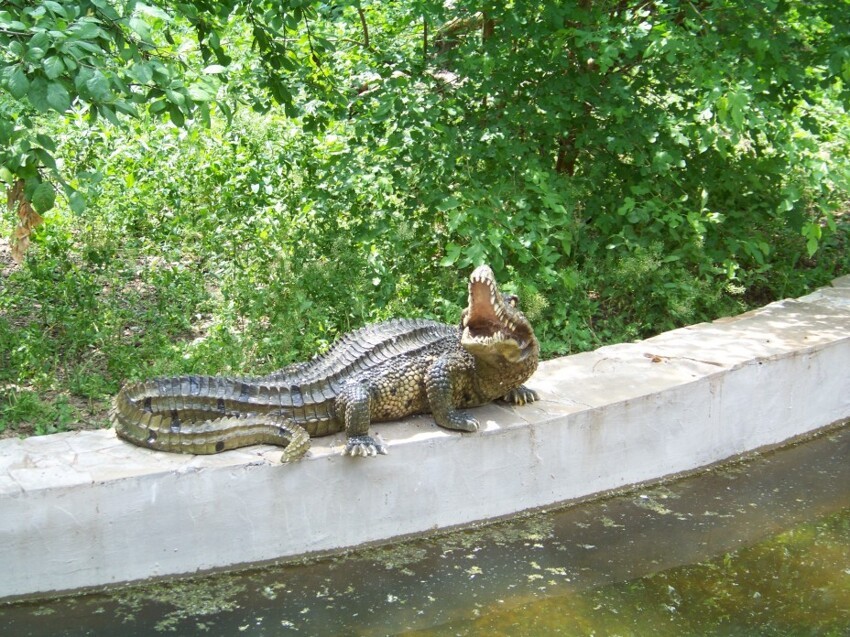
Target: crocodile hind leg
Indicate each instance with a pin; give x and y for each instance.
(355, 403)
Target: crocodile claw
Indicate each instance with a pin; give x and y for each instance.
(461, 421)
(520, 396)
(364, 446)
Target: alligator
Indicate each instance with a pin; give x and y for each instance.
(381, 372)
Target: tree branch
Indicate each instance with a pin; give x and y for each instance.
(425, 39)
(365, 27)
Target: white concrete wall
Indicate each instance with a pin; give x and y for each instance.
(86, 509)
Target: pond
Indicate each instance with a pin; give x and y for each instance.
(757, 547)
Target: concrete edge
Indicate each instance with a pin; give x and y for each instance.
(84, 510)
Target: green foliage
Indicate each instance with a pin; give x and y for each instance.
(86, 55)
(39, 416)
(283, 172)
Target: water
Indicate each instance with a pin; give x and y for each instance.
(757, 548)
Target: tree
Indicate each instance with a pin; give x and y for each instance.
(644, 122)
(108, 59)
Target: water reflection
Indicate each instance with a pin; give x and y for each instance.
(756, 548)
(795, 583)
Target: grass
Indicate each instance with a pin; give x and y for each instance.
(25, 412)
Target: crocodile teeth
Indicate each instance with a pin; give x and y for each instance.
(490, 340)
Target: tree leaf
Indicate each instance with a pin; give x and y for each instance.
(203, 113)
(128, 108)
(176, 115)
(108, 113)
(203, 91)
(34, 54)
(18, 83)
(58, 97)
(38, 94)
(141, 72)
(106, 9)
(175, 97)
(141, 28)
(43, 197)
(46, 158)
(53, 67)
(449, 203)
(55, 8)
(452, 254)
(154, 12)
(77, 202)
(98, 87)
(85, 29)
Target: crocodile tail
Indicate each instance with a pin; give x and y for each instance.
(195, 432)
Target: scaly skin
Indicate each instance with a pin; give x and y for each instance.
(381, 372)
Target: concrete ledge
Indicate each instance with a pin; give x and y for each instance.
(86, 509)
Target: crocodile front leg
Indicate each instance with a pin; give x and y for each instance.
(354, 405)
(439, 386)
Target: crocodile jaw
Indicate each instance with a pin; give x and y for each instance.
(493, 328)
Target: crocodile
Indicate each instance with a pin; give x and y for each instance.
(381, 372)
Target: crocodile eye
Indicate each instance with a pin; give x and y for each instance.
(511, 299)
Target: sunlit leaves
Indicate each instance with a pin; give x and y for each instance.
(530, 137)
(63, 53)
(108, 59)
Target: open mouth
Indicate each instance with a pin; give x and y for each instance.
(490, 322)
(486, 313)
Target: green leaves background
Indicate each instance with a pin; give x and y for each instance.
(259, 176)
